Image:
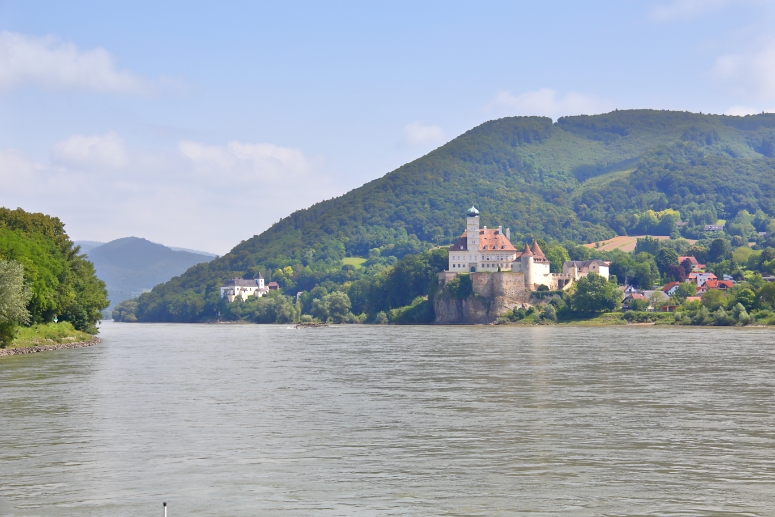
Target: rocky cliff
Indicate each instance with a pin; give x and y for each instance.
(491, 295)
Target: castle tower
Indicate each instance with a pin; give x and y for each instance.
(472, 229)
(527, 267)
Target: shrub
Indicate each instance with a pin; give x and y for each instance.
(722, 318)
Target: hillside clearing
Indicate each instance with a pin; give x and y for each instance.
(626, 243)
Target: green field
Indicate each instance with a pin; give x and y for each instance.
(356, 262)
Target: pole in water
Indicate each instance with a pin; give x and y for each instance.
(165, 509)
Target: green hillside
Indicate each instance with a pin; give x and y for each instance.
(581, 179)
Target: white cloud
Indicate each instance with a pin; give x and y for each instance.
(751, 73)
(197, 195)
(98, 151)
(15, 169)
(52, 64)
(548, 102)
(686, 9)
(247, 162)
(418, 134)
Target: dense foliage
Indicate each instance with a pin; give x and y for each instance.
(14, 297)
(581, 179)
(61, 282)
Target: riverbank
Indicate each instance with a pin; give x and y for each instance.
(46, 337)
(630, 319)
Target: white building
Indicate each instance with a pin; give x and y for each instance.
(580, 268)
(239, 287)
(481, 249)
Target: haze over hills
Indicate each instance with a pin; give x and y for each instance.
(582, 179)
(131, 265)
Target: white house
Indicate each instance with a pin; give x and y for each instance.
(580, 268)
(239, 287)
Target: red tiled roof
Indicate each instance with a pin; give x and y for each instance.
(670, 286)
(718, 284)
(488, 240)
(689, 258)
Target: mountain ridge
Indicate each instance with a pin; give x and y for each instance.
(538, 177)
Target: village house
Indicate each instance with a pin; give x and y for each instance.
(627, 303)
(699, 278)
(671, 288)
(628, 289)
(581, 268)
(714, 227)
(241, 288)
(722, 285)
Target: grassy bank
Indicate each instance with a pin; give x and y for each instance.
(604, 320)
(48, 334)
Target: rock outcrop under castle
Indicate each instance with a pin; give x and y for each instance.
(493, 294)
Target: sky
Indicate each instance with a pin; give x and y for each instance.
(199, 125)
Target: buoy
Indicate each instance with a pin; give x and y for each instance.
(165, 509)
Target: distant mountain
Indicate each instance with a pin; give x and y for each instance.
(87, 246)
(131, 266)
(198, 252)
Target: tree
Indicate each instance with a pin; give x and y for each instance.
(719, 249)
(676, 273)
(275, 308)
(744, 296)
(548, 315)
(766, 296)
(557, 256)
(657, 299)
(699, 252)
(687, 266)
(594, 294)
(665, 258)
(335, 306)
(648, 245)
(685, 290)
(713, 299)
(14, 296)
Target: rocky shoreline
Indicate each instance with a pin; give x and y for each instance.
(4, 352)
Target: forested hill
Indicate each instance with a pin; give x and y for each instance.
(583, 178)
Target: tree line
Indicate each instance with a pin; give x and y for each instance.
(43, 276)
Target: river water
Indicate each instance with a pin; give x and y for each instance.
(248, 420)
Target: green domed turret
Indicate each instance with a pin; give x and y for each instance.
(472, 212)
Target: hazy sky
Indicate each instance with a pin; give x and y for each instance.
(201, 124)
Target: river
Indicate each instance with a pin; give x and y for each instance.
(248, 420)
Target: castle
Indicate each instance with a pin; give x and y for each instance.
(241, 288)
(490, 250)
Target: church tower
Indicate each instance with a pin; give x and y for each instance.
(472, 229)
